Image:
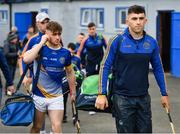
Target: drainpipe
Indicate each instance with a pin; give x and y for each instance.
(10, 15)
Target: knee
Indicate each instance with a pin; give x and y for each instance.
(36, 128)
(56, 128)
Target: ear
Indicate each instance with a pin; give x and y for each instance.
(127, 22)
(145, 21)
(47, 32)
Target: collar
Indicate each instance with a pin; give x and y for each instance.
(126, 31)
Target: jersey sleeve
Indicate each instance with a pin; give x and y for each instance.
(106, 64)
(158, 70)
(68, 59)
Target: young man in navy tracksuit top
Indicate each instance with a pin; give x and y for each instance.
(93, 44)
(131, 101)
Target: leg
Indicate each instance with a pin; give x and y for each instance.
(65, 103)
(65, 88)
(40, 112)
(55, 111)
(56, 117)
(144, 122)
(124, 112)
(38, 121)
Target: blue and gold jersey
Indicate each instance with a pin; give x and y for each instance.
(52, 71)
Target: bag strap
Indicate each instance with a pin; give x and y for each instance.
(35, 81)
(22, 77)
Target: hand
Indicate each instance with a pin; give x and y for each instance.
(165, 102)
(11, 89)
(101, 102)
(73, 97)
(44, 39)
(26, 83)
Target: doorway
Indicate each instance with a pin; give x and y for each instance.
(164, 37)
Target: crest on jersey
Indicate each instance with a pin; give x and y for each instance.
(99, 41)
(62, 60)
(146, 45)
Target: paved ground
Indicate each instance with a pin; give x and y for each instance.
(104, 123)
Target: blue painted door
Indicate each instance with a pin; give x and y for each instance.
(175, 44)
(22, 22)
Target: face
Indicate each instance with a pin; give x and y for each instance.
(14, 41)
(30, 32)
(72, 51)
(136, 22)
(54, 37)
(42, 25)
(92, 30)
(80, 38)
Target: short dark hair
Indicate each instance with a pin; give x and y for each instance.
(54, 26)
(82, 34)
(91, 24)
(72, 46)
(136, 9)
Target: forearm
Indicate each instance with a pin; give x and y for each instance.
(71, 80)
(31, 54)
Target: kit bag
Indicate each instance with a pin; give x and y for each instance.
(18, 111)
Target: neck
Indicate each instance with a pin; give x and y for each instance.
(53, 45)
(136, 35)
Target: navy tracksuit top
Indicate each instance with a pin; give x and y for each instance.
(131, 65)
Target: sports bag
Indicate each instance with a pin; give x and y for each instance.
(88, 93)
(18, 111)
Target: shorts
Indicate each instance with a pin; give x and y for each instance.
(43, 104)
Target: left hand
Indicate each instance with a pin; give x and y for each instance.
(165, 102)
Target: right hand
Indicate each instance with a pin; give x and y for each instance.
(44, 39)
(11, 89)
(101, 102)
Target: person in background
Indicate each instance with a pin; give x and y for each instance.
(6, 73)
(47, 94)
(75, 60)
(80, 37)
(130, 54)
(11, 52)
(94, 44)
(27, 36)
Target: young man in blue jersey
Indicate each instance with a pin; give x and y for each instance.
(47, 94)
(94, 44)
(42, 19)
(130, 54)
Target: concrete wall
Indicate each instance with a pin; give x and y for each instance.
(68, 14)
(4, 27)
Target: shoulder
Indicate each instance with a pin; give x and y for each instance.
(151, 40)
(34, 36)
(75, 56)
(65, 50)
(115, 38)
(85, 38)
